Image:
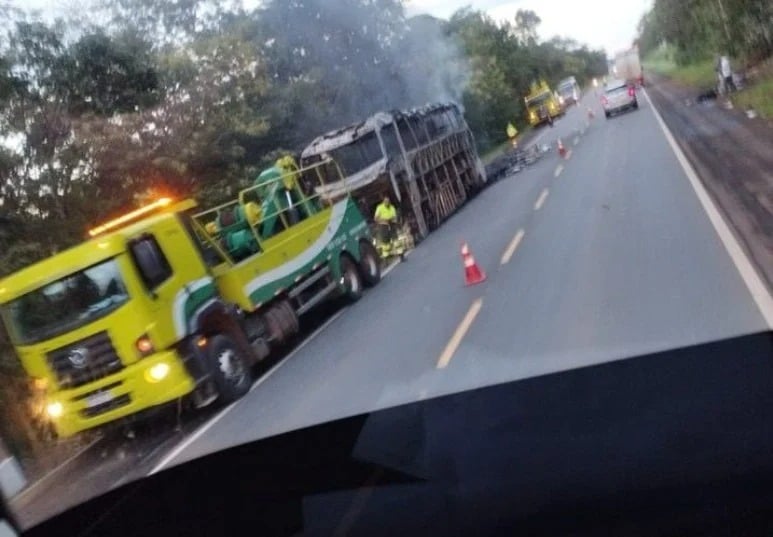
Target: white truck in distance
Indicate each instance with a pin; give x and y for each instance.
(627, 66)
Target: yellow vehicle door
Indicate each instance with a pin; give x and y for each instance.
(174, 276)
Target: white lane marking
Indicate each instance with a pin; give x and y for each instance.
(568, 154)
(188, 441)
(759, 292)
(459, 334)
(512, 247)
(541, 200)
(54, 471)
(390, 268)
(208, 425)
(576, 140)
(558, 171)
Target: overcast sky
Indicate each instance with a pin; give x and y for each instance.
(608, 24)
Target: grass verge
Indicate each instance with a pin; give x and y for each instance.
(699, 74)
(759, 93)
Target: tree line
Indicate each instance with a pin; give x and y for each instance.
(701, 29)
(192, 97)
(104, 108)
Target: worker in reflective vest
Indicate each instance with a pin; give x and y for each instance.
(386, 218)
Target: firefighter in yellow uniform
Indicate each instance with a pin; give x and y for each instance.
(386, 221)
(512, 132)
(386, 212)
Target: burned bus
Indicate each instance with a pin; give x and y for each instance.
(424, 159)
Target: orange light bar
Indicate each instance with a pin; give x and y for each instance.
(128, 217)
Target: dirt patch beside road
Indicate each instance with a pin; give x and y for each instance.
(733, 156)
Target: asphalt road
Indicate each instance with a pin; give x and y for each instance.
(602, 256)
(617, 258)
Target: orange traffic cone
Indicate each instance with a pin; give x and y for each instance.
(472, 272)
(561, 149)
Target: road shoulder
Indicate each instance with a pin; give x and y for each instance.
(734, 160)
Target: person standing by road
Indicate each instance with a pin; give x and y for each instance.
(726, 74)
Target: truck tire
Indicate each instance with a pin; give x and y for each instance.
(230, 368)
(352, 281)
(370, 264)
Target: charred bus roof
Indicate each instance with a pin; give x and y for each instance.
(345, 135)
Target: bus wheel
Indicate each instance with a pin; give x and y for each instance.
(370, 264)
(230, 369)
(351, 280)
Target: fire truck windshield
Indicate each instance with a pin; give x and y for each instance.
(66, 303)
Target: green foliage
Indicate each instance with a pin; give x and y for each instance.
(759, 96)
(700, 74)
(193, 97)
(701, 29)
(504, 60)
(106, 75)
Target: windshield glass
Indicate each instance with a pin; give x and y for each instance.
(566, 88)
(617, 88)
(392, 201)
(67, 303)
(539, 99)
(358, 155)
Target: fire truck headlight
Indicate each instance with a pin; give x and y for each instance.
(157, 373)
(54, 409)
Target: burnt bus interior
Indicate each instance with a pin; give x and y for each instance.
(424, 159)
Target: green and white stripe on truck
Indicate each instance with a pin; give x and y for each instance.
(294, 254)
(189, 300)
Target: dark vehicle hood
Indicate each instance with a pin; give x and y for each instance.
(675, 443)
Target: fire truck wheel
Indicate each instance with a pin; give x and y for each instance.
(230, 369)
(352, 282)
(370, 264)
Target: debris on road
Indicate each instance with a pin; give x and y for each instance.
(514, 161)
(707, 96)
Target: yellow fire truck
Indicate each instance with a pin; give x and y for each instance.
(173, 303)
(542, 106)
